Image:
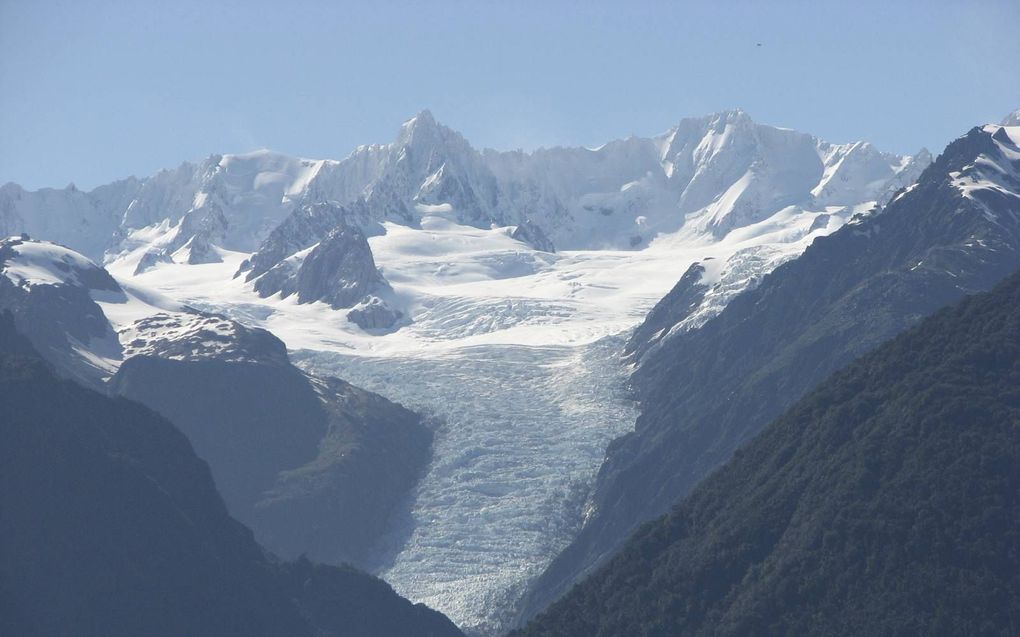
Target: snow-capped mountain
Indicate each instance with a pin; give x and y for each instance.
(52, 291)
(510, 276)
(713, 174)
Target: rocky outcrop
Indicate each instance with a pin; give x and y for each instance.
(198, 249)
(375, 315)
(339, 271)
(151, 259)
(685, 297)
(309, 224)
(532, 234)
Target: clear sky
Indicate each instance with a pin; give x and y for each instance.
(92, 91)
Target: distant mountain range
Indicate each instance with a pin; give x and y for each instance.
(715, 173)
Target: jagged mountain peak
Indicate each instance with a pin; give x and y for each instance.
(423, 130)
(424, 118)
(711, 174)
(731, 117)
(1013, 119)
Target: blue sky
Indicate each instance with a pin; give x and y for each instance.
(92, 91)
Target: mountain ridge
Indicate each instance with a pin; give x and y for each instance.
(957, 231)
(883, 502)
(234, 201)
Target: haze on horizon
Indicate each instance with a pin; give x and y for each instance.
(92, 92)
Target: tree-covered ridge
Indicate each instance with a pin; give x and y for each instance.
(886, 502)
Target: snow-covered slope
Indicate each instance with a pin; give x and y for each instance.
(87, 221)
(715, 173)
(994, 175)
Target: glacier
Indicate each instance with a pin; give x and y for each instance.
(512, 346)
(516, 355)
(522, 431)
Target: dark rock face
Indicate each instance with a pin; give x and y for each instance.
(375, 315)
(677, 305)
(112, 526)
(314, 466)
(883, 503)
(708, 391)
(307, 225)
(249, 421)
(533, 235)
(201, 251)
(339, 271)
(337, 505)
(151, 259)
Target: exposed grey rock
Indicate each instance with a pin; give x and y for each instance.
(339, 271)
(685, 297)
(375, 314)
(199, 336)
(150, 259)
(199, 250)
(532, 234)
(307, 225)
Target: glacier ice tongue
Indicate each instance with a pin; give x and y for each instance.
(523, 431)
